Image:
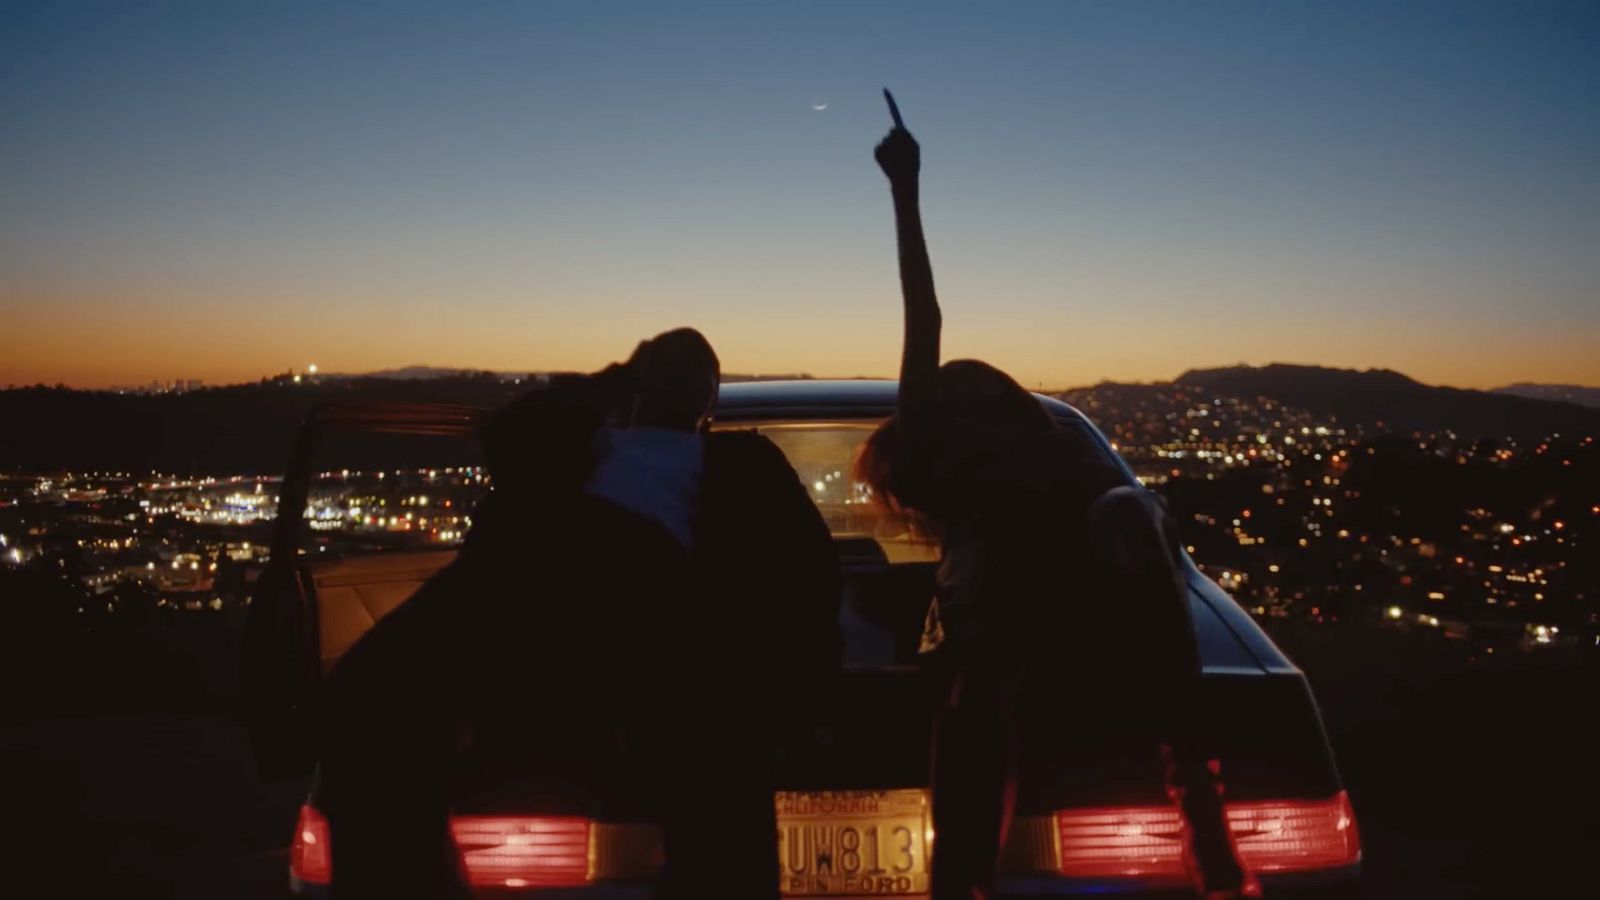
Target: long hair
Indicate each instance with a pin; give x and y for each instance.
(981, 409)
(676, 374)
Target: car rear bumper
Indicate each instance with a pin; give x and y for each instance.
(1300, 885)
(1328, 883)
(628, 856)
(618, 891)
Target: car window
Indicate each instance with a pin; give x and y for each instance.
(822, 453)
(422, 507)
(405, 508)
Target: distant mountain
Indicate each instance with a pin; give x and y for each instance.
(1571, 393)
(1387, 400)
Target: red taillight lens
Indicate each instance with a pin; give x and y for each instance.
(1121, 841)
(1145, 841)
(1296, 835)
(498, 851)
(309, 859)
(522, 851)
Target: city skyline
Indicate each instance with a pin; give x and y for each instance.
(1113, 192)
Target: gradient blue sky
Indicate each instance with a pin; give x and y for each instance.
(1113, 190)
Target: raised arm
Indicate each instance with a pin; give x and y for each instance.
(901, 159)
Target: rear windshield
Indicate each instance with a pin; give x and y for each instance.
(430, 507)
(821, 454)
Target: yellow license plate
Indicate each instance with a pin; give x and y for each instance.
(853, 842)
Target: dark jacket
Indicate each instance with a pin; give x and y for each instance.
(565, 619)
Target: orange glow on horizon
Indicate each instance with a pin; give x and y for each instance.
(137, 357)
(241, 339)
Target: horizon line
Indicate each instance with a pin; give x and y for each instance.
(389, 373)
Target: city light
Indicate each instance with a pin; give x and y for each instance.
(1289, 531)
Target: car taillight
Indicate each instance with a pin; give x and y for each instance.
(1127, 841)
(1145, 841)
(498, 851)
(309, 860)
(524, 851)
(1296, 835)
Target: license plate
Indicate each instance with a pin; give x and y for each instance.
(853, 842)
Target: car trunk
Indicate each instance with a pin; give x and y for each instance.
(1086, 749)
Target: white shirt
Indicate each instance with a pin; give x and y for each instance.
(654, 472)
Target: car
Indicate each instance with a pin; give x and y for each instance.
(1092, 816)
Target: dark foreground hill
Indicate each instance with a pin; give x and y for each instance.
(232, 430)
(247, 428)
(242, 429)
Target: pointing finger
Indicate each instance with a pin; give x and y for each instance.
(894, 110)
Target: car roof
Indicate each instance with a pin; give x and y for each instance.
(807, 398)
(866, 399)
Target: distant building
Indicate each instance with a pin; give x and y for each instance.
(157, 386)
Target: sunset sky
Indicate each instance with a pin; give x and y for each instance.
(1117, 190)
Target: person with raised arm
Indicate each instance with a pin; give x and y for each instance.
(1013, 501)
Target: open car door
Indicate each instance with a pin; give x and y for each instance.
(308, 609)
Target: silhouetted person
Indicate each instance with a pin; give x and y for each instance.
(629, 576)
(1014, 501)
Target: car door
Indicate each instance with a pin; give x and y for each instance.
(348, 547)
